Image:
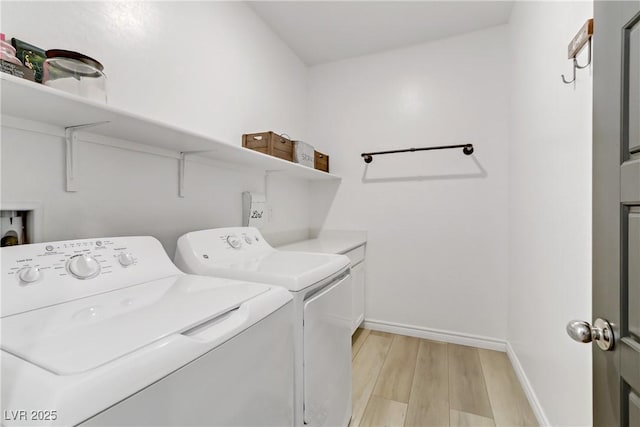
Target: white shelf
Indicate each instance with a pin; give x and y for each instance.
(23, 99)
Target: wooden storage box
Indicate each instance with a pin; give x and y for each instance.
(321, 161)
(269, 143)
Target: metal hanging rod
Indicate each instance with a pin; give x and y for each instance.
(466, 149)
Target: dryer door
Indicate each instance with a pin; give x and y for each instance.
(327, 356)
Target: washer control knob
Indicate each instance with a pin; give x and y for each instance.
(234, 242)
(125, 259)
(248, 240)
(29, 274)
(84, 266)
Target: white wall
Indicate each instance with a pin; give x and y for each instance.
(213, 67)
(436, 221)
(550, 208)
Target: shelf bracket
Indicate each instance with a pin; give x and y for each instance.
(71, 142)
(181, 168)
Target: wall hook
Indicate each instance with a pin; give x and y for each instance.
(582, 38)
(575, 60)
(573, 79)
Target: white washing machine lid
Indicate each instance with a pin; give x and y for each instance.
(84, 334)
(292, 270)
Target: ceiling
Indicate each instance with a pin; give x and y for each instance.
(326, 31)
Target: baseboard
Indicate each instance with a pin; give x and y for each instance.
(437, 335)
(526, 386)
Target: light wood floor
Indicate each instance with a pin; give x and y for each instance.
(406, 381)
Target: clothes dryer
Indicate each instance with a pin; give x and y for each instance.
(321, 288)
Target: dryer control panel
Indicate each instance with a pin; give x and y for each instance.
(43, 274)
(236, 242)
(243, 238)
(221, 246)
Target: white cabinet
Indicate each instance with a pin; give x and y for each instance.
(356, 255)
(357, 310)
(327, 356)
(353, 244)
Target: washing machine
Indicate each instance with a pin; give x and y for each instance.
(109, 332)
(321, 288)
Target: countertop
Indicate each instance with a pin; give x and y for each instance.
(330, 242)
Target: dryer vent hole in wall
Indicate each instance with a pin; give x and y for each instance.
(14, 227)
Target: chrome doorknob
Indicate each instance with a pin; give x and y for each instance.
(601, 332)
(580, 331)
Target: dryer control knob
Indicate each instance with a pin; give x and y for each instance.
(29, 274)
(84, 266)
(125, 259)
(234, 242)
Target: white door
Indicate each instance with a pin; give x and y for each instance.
(327, 356)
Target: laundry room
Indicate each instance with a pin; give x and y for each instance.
(422, 178)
